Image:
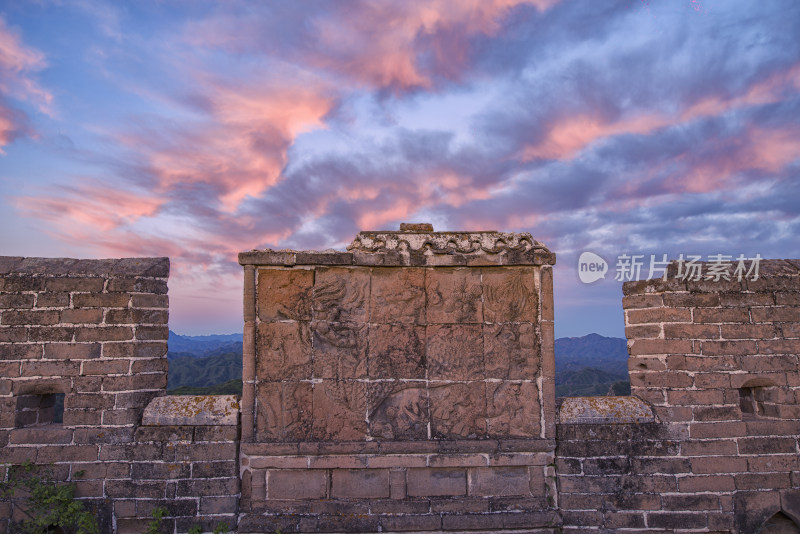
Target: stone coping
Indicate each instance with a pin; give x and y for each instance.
(417, 245)
(486, 446)
(150, 267)
(604, 410)
(197, 410)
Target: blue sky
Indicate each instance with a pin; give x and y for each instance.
(197, 130)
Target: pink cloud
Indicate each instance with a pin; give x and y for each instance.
(567, 136)
(240, 148)
(17, 64)
(96, 207)
(385, 45)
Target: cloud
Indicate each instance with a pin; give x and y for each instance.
(394, 46)
(17, 65)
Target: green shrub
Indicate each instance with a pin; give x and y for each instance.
(49, 506)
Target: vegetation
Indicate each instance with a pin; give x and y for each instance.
(48, 506)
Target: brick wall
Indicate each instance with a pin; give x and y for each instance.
(718, 363)
(94, 332)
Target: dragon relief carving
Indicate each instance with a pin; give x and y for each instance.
(510, 299)
(339, 298)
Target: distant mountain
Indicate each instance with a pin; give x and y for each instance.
(201, 346)
(591, 365)
(204, 371)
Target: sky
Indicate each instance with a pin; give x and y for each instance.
(197, 130)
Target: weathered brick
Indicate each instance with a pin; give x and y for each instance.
(82, 316)
(30, 317)
(773, 463)
(691, 331)
(66, 453)
(698, 483)
(499, 481)
(748, 331)
(296, 484)
(206, 451)
(648, 300)
(150, 301)
(435, 482)
(695, 397)
(21, 352)
(767, 445)
(676, 520)
(141, 489)
(776, 313)
(659, 315)
(165, 470)
(51, 333)
(52, 300)
(215, 470)
(51, 368)
(105, 367)
(691, 300)
(659, 346)
(152, 333)
(759, 481)
(72, 351)
(134, 350)
(710, 447)
(643, 331)
(16, 301)
(746, 299)
(719, 465)
(101, 300)
(722, 315)
(716, 413)
(735, 348)
(84, 285)
(104, 333)
(12, 334)
(150, 365)
(360, 483)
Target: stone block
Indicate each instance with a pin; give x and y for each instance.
(341, 295)
(297, 483)
(511, 351)
(512, 409)
(360, 483)
(192, 410)
(499, 481)
(284, 294)
(283, 411)
(453, 296)
(509, 295)
(458, 410)
(339, 350)
(339, 410)
(454, 352)
(437, 482)
(396, 351)
(398, 410)
(283, 351)
(397, 296)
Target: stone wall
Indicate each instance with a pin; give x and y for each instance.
(343, 427)
(406, 384)
(94, 332)
(718, 363)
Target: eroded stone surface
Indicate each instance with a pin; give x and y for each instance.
(398, 410)
(285, 294)
(509, 295)
(397, 351)
(512, 409)
(454, 352)
(398, 296)
(339, 412)
(453, 296)
(341, 295)
(284, 411)
(511, 351)
(284, 351)
(339, 350)
(192, 410)
(458, 410)
(604, 410)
